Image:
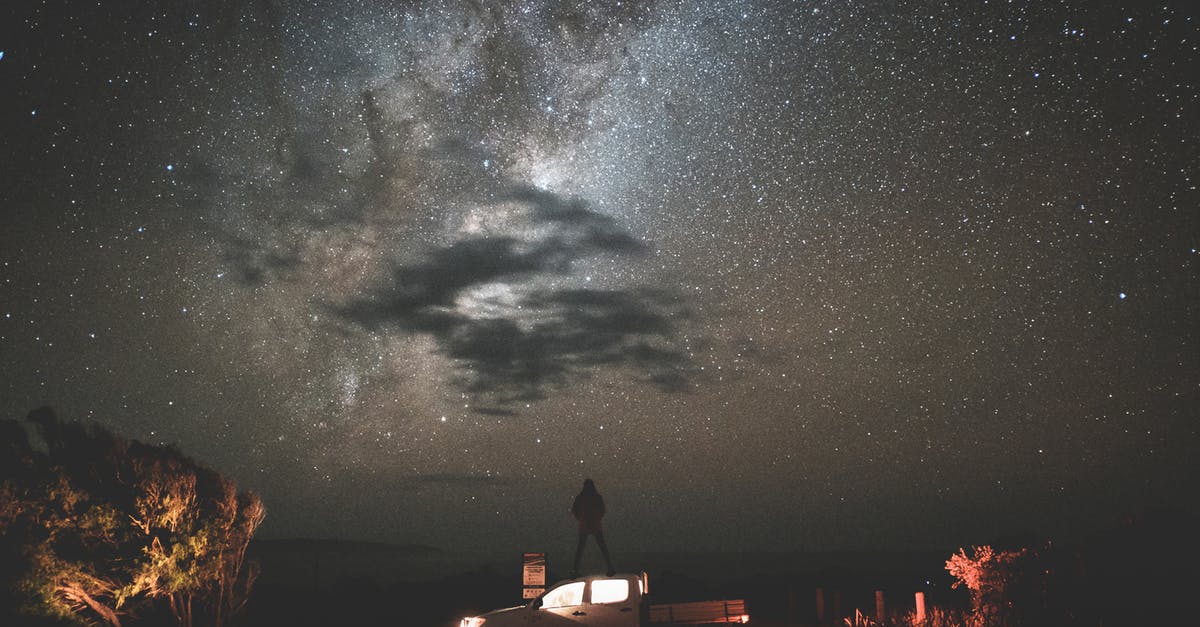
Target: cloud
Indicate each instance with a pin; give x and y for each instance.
(594, 231)
(421, 296)
(542, 336)
(579, 331)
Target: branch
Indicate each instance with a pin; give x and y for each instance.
(75, 593)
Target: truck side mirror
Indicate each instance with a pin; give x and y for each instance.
(536, 603)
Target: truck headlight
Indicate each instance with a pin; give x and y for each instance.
(472, 621)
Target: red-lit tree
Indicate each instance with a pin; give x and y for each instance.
(1000, 583)
(102, 529)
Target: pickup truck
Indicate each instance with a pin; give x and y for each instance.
(608, 601)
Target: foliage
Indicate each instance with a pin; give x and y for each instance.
(999, 582)
(936, 617)
(99, 529)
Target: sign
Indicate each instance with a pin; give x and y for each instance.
(533, 574)
(534, 571)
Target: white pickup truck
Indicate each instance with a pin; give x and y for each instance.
(603, 601)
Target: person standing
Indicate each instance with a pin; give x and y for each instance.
(588, 510)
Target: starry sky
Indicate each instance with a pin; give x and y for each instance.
(777, 275)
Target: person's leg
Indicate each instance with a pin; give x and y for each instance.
(578, 554)
(604, 550)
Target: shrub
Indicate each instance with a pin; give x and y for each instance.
(97, 528)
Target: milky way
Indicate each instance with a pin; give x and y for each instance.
(775, 275)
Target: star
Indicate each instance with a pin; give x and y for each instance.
(651, 237)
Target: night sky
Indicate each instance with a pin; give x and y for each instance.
(794, 275)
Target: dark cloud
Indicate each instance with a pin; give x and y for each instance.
(594, 231)
(585, 330)
(547, 337)
(631, 331)
(421, 295)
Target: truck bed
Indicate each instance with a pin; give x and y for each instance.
(700, 612)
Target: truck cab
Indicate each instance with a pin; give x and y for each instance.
(596, 601)
(609, 601)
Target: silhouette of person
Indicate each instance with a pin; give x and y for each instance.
(588, 509)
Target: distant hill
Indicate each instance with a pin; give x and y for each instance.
(318, 563)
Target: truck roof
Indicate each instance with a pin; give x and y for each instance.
(602, 576)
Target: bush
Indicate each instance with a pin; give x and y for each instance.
(97, 528)
(1007, 587)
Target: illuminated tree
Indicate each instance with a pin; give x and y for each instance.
(993, 577)
(102, 529)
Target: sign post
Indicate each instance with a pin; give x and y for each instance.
(533, 574)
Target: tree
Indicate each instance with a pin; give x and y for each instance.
(1003, 584)
(98, 528)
